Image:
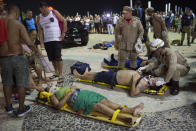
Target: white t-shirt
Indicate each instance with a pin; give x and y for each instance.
(77, 19)
(87, 21)
(115, 19)
(50, 27)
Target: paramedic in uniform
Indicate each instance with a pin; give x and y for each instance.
(186, 22)
(128, 33)
(159, 27)
(50, 36)
(170, 64)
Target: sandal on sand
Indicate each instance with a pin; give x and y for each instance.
(53, 77)
(60, 80)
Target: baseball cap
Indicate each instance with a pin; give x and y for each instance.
(126, 9)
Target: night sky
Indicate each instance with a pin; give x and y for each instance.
(70, 7)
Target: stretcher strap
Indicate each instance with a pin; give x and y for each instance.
(114, 67)
(116, 113)
(64, 107)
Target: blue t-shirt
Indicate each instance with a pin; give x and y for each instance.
(104, 19)
(187, 20)
(30, 24)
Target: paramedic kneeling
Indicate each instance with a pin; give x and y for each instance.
(173, 64)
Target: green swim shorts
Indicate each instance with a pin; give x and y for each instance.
(86, 100)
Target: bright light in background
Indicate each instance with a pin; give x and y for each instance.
(108, 15)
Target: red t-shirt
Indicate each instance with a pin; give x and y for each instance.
(3, 31)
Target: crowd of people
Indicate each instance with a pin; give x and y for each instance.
(21, 42)
(98, 23)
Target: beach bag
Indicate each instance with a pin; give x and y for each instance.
(45, 64)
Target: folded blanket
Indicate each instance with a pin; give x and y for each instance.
(3, 31)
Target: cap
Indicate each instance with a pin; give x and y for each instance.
(150, 9)
(156, 44)
(126, 9)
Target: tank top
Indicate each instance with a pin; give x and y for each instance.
(50, 27)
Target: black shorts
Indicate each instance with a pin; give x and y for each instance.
(106, 77)
(53, 50)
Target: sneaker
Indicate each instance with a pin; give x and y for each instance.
(9, 110)
(21, 113)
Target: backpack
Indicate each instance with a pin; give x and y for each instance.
(60, 22)
(80, 67)
(45, 64)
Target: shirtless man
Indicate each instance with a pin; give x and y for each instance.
(13, 62)
(88, 101)
(130, 78)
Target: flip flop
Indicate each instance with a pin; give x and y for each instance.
(53, 77)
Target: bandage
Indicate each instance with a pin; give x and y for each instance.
(160, 82)
(139, 47)
(53, 90)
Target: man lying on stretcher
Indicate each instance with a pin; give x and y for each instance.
(131, 78)
(87, 101)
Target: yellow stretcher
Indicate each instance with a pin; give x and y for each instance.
(44, 98)
(162, 90)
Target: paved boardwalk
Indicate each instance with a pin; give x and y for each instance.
(161, 111)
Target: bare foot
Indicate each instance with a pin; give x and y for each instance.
(138, 108)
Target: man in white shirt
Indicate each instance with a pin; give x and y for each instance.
(50, 35)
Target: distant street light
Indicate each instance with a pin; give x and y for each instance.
(131, 3)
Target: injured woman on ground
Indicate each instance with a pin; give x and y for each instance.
(84, 101)
(137, 82)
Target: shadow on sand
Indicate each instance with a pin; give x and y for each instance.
(67, 45)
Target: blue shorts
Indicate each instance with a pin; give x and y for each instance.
(106, 77)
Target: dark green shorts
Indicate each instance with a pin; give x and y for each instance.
(15, 71)
(86, 101)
